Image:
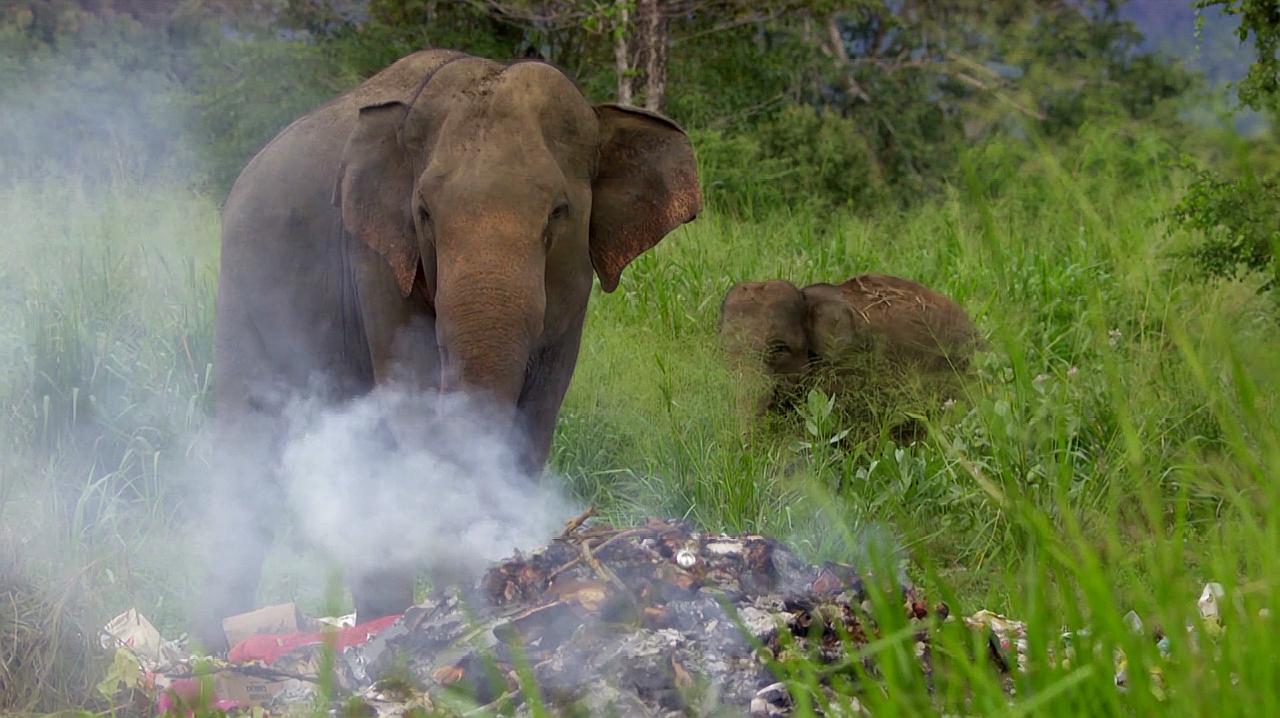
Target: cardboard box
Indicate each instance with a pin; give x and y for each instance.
(133, 631)
(274, 620)
(251, 690)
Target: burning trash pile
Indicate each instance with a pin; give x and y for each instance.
(636, 621)
(639, 621)
(653, 620)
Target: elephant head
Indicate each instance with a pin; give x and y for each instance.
(493, 191)
(835, 331)
(765, 321)
(830, 323)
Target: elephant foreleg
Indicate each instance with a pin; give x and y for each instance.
(544, 390)
(400, 333)
(242, 494)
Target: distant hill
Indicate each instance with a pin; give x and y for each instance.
(1170, 25)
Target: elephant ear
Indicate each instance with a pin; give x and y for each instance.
(646, 185)
(374, 187)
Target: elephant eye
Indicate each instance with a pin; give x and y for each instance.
(424, 215)
(548, 236)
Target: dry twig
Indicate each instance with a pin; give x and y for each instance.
(576, 522)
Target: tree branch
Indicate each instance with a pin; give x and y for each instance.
(730, 25)
(841, 55)
(559, 19)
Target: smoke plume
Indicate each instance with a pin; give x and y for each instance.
(448, 496)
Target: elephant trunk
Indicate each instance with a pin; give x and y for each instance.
(488, 323)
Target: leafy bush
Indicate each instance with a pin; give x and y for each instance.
(832, 162)
(105, 105)
(805, 157)
(1237, 219)
(1260, 23)
(736, 174)
(245, 92)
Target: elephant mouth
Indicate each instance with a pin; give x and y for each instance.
(531, 367)
(534, 370)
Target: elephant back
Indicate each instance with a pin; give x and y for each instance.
(911, 321)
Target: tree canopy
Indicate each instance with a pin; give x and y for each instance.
(1259, 23)
(850, 101)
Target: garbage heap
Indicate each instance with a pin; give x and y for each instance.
(639, 621)
(654, 620)
(650, 620)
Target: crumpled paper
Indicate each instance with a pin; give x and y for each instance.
(1210, 610)
(1009, 636)
(163, 671)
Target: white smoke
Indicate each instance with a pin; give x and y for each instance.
(448, 497)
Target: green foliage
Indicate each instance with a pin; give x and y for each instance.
(96, 101)
(1083, 66)
(801, 158)
(1113, 449)
(107, 94)
(736, 173)
(888, 128)
(242, 94)
(733, 80)
(832, 160)
(199, 86)
(395, 28)
(1237, 219)
(809, 157)
(1259, 23)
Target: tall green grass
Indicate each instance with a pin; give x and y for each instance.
(1116, 449)
(1117, 446)
(106, 302)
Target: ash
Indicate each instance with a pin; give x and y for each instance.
(654, 620)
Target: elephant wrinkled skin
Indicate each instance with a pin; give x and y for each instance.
(434, 229)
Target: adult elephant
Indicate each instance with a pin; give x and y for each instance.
(435, 228)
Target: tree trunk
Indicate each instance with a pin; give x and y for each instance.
(654, 44)
(840, 54)
(429, 16)
(622, 53)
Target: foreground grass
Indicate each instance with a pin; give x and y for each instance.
(1117, 447)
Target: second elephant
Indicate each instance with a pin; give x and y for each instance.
(872, 319)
